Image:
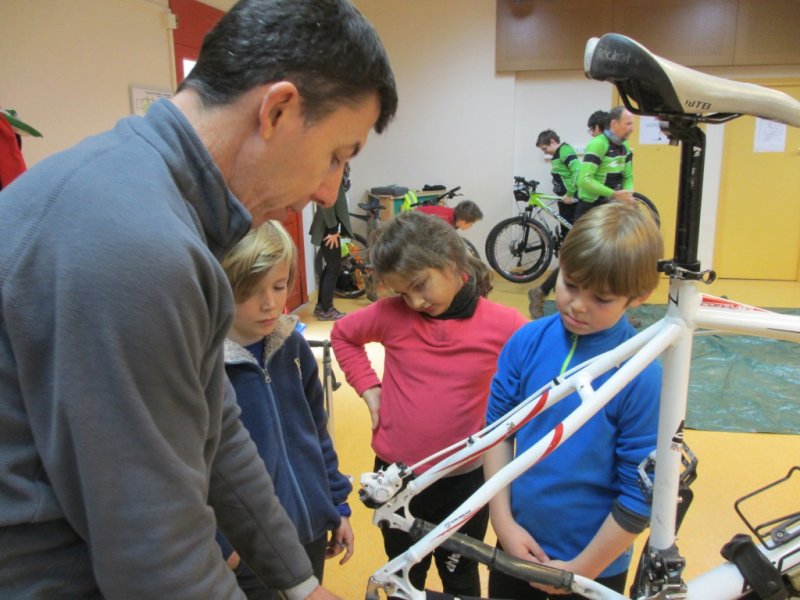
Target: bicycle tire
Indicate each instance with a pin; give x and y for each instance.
(509, 258)
(649, 204)
(471, 248)
(351, 282)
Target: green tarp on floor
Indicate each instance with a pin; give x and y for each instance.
(738, 383)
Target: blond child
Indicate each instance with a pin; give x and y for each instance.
(275, 375)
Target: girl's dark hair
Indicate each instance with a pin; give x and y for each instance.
(414, 241)
(326, 48)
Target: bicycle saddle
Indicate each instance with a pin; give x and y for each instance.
(661, 87)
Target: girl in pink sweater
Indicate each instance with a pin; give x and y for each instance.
(441, 338)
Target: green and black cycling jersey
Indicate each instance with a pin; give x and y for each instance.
(606, 167)
(564, 168)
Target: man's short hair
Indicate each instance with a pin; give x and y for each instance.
(616, 113)
(547, 136)
(614, 249)
(467, 211)
(326, 48)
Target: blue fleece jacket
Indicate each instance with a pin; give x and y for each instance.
(564, 499)
(283, 409)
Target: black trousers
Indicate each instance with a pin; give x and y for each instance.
(332, 258)
(459, 575)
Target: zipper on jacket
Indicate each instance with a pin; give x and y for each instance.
(570, 354)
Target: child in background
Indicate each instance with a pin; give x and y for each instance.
(580, 508)
(463, 216)
(275, 375)
(441, 338)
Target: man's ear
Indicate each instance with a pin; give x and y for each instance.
(638, 301)
(279, 99)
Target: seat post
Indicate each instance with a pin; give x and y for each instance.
(690, 192)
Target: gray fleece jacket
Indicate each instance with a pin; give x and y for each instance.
(119, 433)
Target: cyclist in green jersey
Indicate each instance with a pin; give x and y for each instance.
(564, 167)
(606, 172)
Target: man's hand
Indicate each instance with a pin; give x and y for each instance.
(567, 199)
(331, 240)
(320, 593)
(372, 397)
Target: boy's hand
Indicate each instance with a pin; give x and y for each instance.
(341, 539)
(516, 541)
(567, 199)
(372, 397)
(556, 564)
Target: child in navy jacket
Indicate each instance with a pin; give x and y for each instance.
(275, 375)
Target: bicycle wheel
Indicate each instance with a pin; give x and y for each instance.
(519, 250)
(471, 248)
(352, 281)
(645, 201)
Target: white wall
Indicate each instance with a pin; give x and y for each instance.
(67, 66)
(455, 122)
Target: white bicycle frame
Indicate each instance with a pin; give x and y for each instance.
(688, 311)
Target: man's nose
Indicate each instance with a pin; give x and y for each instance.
(328, 190)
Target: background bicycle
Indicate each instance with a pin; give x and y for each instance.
(355, 279)
(520, 248)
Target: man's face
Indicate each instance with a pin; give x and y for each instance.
(298, 162)
(622, 127)
(549, 148)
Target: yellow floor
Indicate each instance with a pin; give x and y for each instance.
(730, 465)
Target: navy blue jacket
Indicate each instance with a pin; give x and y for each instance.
(283, 409)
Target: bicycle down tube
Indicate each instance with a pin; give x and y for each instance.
(648, 85)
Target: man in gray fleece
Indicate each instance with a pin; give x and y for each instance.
(120, 445)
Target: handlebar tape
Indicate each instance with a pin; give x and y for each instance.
(497, 560)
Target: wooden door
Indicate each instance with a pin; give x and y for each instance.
(758, 220)
(194, 20)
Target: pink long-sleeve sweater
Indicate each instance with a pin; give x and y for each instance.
(436, 372)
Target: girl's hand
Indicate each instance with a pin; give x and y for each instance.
(372, 397)
(341, 539)
(331, 240)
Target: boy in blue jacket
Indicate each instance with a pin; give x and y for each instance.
(580, 508)
(275, 375)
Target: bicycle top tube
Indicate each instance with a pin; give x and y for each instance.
(658, 86)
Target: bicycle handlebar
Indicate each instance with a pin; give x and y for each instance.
(529, 183)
